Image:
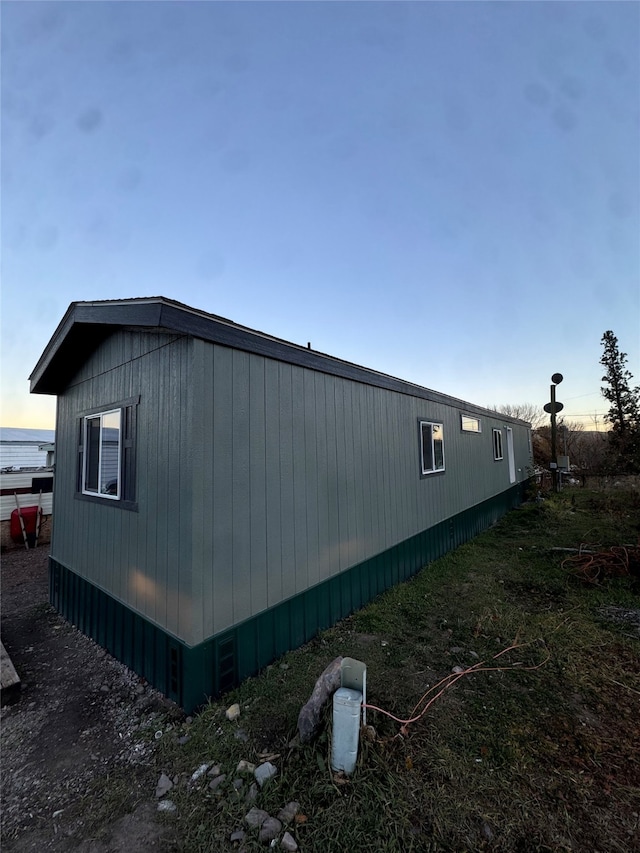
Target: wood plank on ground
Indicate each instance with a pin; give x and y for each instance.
(9, 678)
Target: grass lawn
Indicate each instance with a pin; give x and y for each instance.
(514, 759)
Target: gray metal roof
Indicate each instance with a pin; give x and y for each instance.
(86, 324)
(18, 435)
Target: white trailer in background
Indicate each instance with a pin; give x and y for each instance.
(26, 478)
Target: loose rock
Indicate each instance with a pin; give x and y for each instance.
(487, 831)
(288, 843)
(164, 785)
(311, 713)
(214, 784)
(199, 772)
(238, 835)
(245, 767)
(287, 814)
(233, 712)
(252, 793)
(166, 806)
(264, 772)
(269, 830)
(256, 817)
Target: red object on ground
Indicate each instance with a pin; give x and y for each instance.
(29, 516)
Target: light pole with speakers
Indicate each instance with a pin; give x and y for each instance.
(553, 408)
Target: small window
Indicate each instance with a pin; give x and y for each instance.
(470, 424)
(431, 447)
(107, 455)
(497, 444)
(102, 440)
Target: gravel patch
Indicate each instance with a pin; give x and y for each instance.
(77, 743)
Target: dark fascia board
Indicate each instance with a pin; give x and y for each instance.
(86, 324)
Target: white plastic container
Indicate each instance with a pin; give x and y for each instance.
(347, 704)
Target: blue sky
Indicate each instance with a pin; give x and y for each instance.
(446, 192)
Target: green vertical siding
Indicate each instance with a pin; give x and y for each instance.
(273, 519)
(141, 558)
(258, 481)
(190, 674)
(308, 474)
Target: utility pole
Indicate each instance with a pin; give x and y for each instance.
(552, 409)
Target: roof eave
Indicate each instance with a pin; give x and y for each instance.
(86, 324)
(45, 377)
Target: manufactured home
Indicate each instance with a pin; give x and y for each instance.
(221, 495)
(25, 448)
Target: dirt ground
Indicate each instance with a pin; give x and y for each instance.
(77, 770)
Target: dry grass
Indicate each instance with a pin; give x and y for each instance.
(515, 760)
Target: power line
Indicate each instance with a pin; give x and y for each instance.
(579, 396)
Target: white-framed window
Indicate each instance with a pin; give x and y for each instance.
(101, 458)
(470, 424)
(431, 447)
(497, 444)
(106, 470)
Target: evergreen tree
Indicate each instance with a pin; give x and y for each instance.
(624, 412)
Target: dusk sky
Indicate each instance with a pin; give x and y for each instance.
(447, 192)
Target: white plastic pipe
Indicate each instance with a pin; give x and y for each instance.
(347, 705)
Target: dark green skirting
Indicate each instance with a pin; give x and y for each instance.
(190, 674)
